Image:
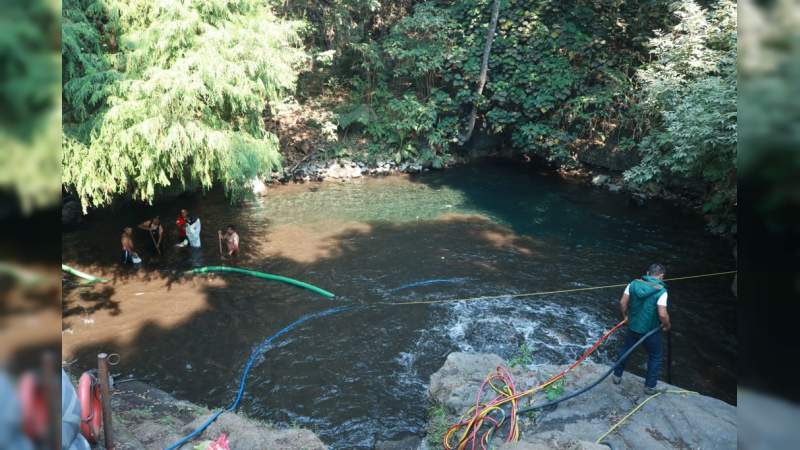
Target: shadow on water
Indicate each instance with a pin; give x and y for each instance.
(338, 375)
(361, 376)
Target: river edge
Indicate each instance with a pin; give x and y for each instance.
(685, 195)
(147, 418)
(340, 170)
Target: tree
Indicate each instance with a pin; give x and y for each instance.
(30, 108)
(689, 94)
(171, 92)
(484, 70)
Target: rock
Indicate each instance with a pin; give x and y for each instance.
(614, 187)
(70, 213)
(638, 199)
(610, 158)
(599, 180)
(555, 440)
(147, 418)
(258, 187)
(454, 385)
(407, 443)
(669, 421)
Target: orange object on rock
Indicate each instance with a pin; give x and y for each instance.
(91, 407)
(33, 400)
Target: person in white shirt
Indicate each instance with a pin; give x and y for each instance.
(193, 232)
(644, 308)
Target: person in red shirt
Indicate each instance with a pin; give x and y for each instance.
(180, 222)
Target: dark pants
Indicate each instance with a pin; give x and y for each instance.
(654, 353)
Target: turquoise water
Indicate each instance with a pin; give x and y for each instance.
(487, 229)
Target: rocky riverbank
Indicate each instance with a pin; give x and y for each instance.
(147, 418)
(669, 421)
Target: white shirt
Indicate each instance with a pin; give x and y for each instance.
(662, 301)
(193, 233)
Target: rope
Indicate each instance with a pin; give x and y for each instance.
(540, 293)
(633, 411)
(254, 355)
(507, 394)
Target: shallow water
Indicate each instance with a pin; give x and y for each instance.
(361, 376)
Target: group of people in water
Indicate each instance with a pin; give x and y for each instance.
(188, 227)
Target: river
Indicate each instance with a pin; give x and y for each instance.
(361, 376)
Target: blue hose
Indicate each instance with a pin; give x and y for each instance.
(254, 355)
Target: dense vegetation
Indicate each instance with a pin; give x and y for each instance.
(166, 92)
(155, 95)
(30, 122)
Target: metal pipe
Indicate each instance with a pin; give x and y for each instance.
(105, 394)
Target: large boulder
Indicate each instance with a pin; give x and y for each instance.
(551, 441)
(147, 418)
(669, 421)
(455, 384)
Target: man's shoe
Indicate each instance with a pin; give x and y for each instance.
(649, 391)
(616, 379)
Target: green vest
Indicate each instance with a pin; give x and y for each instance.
(642, 308)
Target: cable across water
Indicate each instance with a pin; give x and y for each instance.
(540, 293)
(481, 412)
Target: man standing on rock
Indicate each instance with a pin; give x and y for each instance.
(644, 307)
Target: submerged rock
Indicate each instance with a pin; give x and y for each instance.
(669, 421)
(600, 180)
(257, 186)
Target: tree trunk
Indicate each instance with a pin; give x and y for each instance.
(484, 69)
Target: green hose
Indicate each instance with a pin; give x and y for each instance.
(80, 274)
(266, 276)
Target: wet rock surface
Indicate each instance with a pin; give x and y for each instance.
(668, 421)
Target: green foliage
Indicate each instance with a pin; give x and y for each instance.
(438, 423)
(159, 93)
(565, 78)
(30, 107)
(559, 72)
(555, 390)
(523, 356)
(689, 94)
